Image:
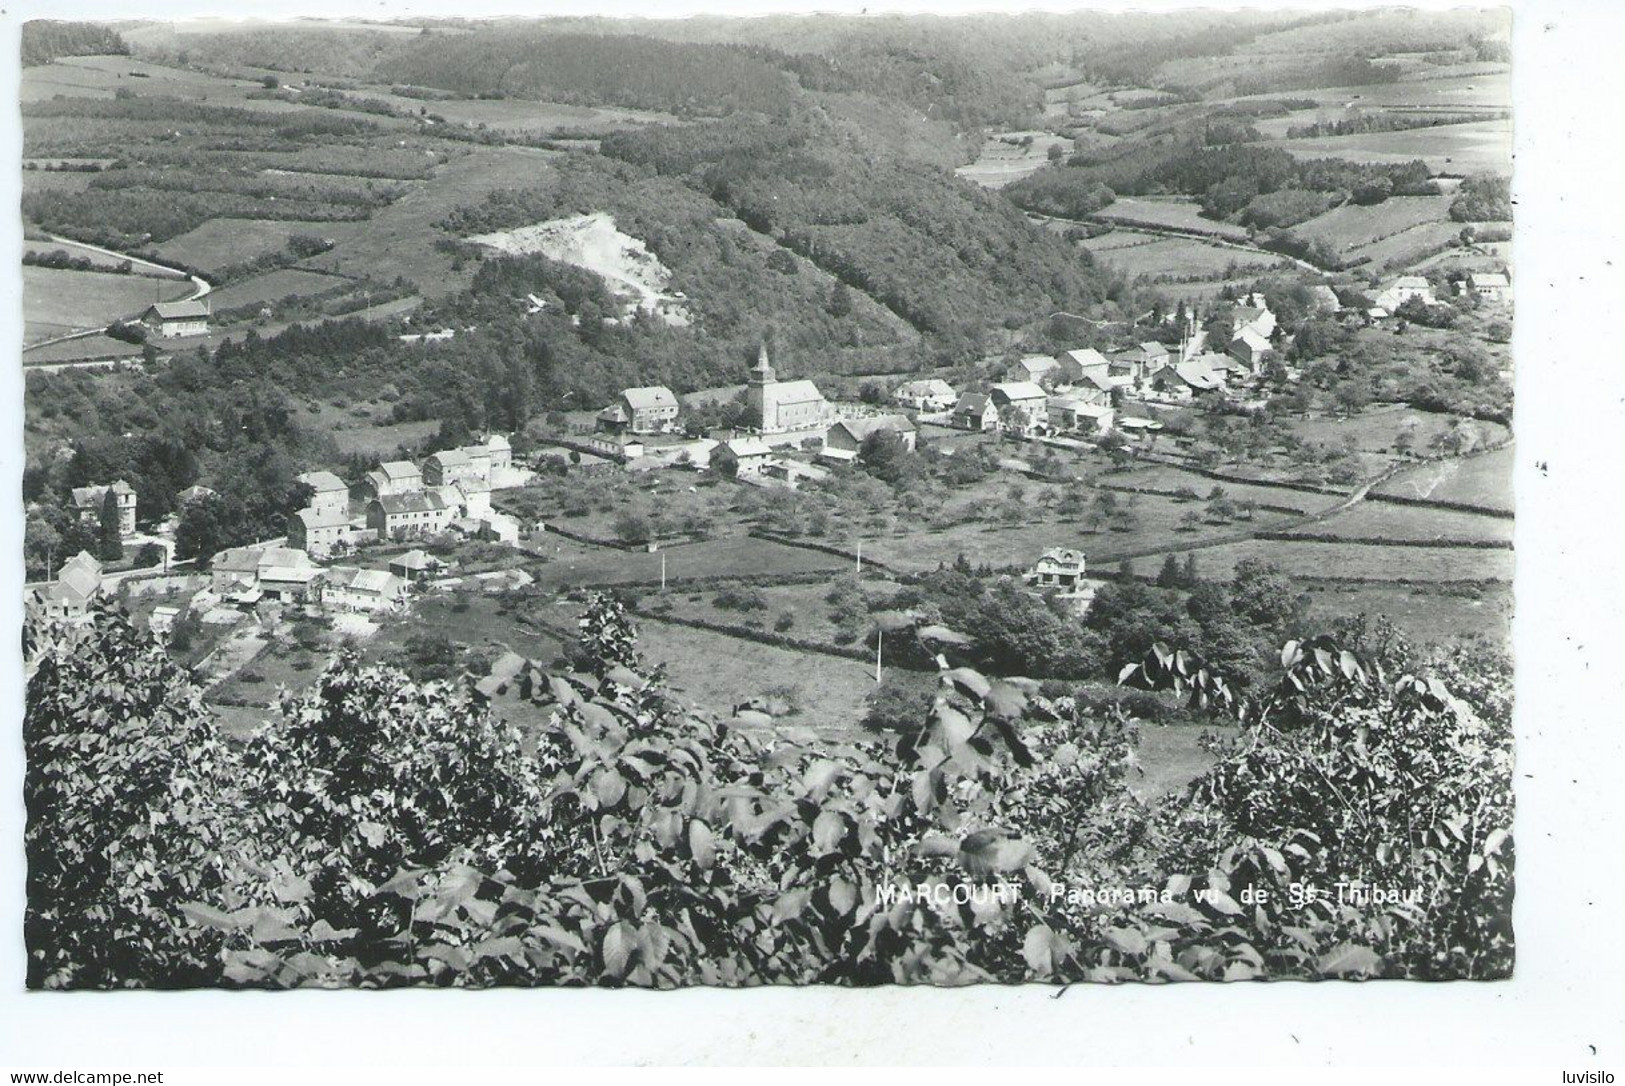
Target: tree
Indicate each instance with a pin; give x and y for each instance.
(1169, 576)
(110, 533)
(632, 526)
(124, 821)
(1352, 397)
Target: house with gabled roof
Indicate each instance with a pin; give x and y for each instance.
(1081, 364)
(1402, 290)
(68, 598)
(1022, 405)
(1250, 348)
(318, 532)
(975, 411)
(330, 495)
(1040, 369)
(928, 394)
(741, 456)
(346, 588)
(845, 439)
(410, 515)
(651, 409)
(391, 477)
(1070, 413)
(173, 320)
(1490, 286)
(1061, 571)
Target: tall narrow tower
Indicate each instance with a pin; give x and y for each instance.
(763, 409)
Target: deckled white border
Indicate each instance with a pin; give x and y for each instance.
(1569, 180)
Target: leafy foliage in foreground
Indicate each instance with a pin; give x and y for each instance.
(385, 833)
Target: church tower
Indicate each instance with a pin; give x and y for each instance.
(763, 409)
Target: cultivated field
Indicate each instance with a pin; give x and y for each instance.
(57, 302)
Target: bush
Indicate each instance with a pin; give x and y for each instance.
(740, 598)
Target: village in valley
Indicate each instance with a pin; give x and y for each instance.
(782, 526)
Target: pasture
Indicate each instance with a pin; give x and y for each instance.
(98, 258)
(1170, 212)
(1369, 520)
(1352, 561)
(1353, 225)
(1423, 612)
(1484, 481)
(1001, 162)
(273, 287)
(57, 302)
(1376, 430)
(1471, 148)
(1408, 247)
(1186, 258)
(222, 242)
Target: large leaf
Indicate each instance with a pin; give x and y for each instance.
(702, 844)
(620, 941)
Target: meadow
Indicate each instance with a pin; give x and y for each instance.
(1186, 258)
(1369, 520)
(57, 302)
(1351, 561)
(219, 243)
(1484, 481)
(1170, 212)
(1461, 149)
(1352, 225)
(273, 287)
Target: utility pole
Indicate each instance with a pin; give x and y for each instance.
(662, 571)
(880, 641)
(860, 558)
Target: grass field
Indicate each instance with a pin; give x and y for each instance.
(1182, 257)
(1171, 212)
(1474, 147)
(570, 565)
(1484, 481)
(1353, 225)
(1346, 560)
(57, 302)
(1408, 248)
(1375, 429)
(1000, 163)
(81, 349)
(273, 287)
(1423, 613)
(220, 242)
(97, 258)
(1373, 519)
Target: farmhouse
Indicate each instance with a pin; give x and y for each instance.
(1021, 405)
(408, 516)
(618, 447)
(1135, 364)
(845, 439)
(649, 410)
(1072, 413)
(68, 598)
(330, 494)
(1040, 369)
(975, 411)
(318, 531)
(391, 477)
(1250, 348)
(933, 394)
(1083, 365)
(1187, 380)
(1402, 290)
(449, 467)
(88, 502)
(172, 320)
(777, 407)
(1254, 317)
(250, 573)
(741, 456)
(1490, 286)
(346, 588)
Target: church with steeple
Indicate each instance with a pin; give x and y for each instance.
(778, 407)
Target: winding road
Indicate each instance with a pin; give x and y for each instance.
(200, 288)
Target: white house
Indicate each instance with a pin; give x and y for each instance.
(845, 439)
(173, 320)
(1077, 414)
(741, 456)
(1022, 405)
(932, 394)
